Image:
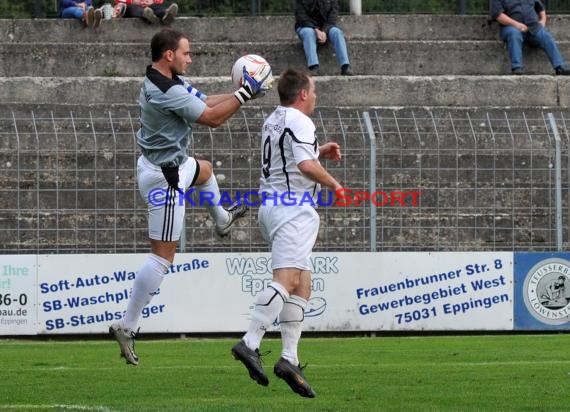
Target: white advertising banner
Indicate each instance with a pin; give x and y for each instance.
(350, 292)
(86, 293)
(420, 291)
(18, 314)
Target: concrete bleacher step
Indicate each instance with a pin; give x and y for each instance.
(370, 57)
(401, 60)
(332, 91)
(268, 29)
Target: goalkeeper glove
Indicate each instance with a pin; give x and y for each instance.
(254, 85)
(171, 175)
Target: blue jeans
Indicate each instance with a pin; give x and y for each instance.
(309, 39)
(542, 39)
(72, 13)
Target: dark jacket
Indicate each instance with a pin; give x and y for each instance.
(321, 14)
(523, 11)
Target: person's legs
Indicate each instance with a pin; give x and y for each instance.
(148, 280)
(292, 316)
(210, 197)
(134, 10)
(336, 37)
(513, 37)
(291, 321)
(267, 307)
(544, 40)
(158, 10)
(309, 39)
(165, 14)
(280, 227)
(165, 220)
(72, 13)
(209, 192)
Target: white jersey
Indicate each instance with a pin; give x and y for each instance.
(288, 138)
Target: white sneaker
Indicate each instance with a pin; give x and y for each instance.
(126, 340)
(236, 211)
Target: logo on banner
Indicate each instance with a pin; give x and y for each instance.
(315, 307)
(546, 291)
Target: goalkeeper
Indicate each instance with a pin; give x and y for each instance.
(168, 107)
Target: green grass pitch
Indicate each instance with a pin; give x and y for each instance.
(403, 373)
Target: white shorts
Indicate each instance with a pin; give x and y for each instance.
(166, 208)
(292, 232)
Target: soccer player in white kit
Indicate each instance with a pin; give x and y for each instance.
(290, 171)
(168, 107)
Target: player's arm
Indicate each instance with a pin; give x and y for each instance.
(317, 173)
(218, 110)
(218, 98)
(330, 150)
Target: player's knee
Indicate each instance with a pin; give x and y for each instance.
(206, 170)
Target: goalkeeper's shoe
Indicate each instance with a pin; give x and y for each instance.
(252, 361)
(126, 340)
(235, 212)
(294, 377)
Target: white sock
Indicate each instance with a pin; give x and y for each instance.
(268, 305)
(210, 198)
(146, 285)
(291, 321)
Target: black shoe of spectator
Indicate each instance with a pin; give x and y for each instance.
(562, 71)
(345, 70)
(518, 71)
(314, 70)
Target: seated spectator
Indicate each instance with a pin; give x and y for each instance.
(315, 22)
(152, 11)
(81, 10)
(524, 21)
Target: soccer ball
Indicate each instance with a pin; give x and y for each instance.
(253, 64)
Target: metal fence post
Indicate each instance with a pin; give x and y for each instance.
(461, 7)
(355, 7)
(39, 10)
(254, 8)
(558, 181)
(372, 184)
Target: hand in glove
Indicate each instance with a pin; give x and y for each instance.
(259, 83)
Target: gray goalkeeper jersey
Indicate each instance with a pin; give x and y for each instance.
(168, 107)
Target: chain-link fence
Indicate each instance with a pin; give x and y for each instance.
(457, 180)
